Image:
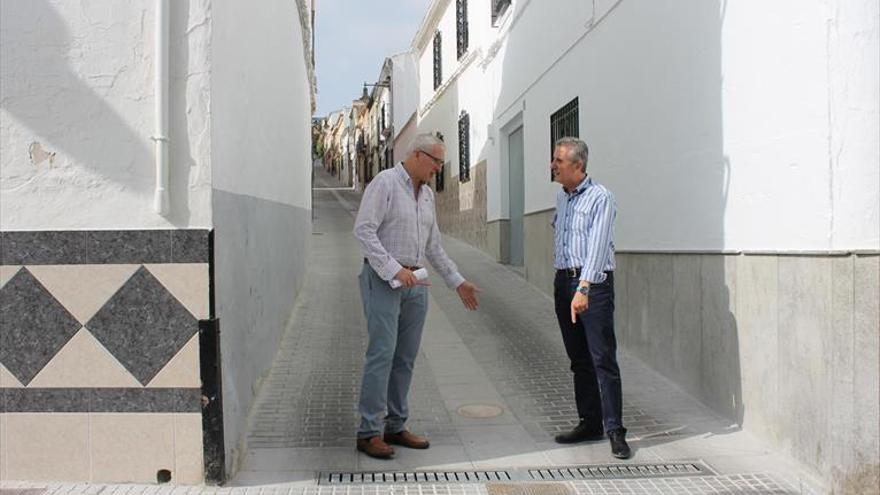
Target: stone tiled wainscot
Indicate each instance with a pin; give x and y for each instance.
(99, 354)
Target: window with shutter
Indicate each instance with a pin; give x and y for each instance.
(464, 147)
(563, 123)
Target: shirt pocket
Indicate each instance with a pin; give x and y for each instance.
(581, 221)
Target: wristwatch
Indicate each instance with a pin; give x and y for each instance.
(584, 289)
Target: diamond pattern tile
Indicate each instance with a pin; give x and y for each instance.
(143, 325)
(34, 326)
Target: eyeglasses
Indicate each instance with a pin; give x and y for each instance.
(437, 161)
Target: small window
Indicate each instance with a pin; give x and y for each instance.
(440, 177)
(461, 26)
(499, 7)
(563, 123)
(464, 147)
(438, 62)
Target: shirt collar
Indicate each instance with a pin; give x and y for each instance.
(587, 182)
(403, 173)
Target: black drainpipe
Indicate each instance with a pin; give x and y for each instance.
(212, 385)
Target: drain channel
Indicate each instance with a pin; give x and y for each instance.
(432, 477)
(582, 472)
(621, 471)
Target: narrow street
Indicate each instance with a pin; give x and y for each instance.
(491, 388)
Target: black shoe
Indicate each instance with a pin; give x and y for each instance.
(619, 447)
(581, 433)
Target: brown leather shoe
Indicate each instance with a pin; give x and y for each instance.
(407, 439)
(375, 447)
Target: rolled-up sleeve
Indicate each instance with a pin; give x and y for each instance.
(440, 260)
(374, 206)
(599, 240)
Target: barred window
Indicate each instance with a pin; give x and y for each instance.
(499, 7)
(461, 26)
(440, 177)
(464, 147)
(563, 123)
(438, 62)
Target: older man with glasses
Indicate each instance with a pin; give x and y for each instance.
(397, 229)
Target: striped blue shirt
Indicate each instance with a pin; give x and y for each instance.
(584, 225)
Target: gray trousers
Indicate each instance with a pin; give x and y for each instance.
(395, 318)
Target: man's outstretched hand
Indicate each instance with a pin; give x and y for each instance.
(468, 294)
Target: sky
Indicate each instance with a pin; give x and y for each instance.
(352, 39)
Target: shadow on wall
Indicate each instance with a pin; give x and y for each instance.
(648, 79)
(69, 110)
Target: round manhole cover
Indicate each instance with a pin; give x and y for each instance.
(480, 411)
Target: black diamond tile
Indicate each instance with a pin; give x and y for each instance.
(143, 325)
(34, 326)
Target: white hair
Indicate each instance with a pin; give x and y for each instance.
(425, 142)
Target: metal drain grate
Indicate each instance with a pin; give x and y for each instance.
(621, 471)
(432, 477)
(583, 472)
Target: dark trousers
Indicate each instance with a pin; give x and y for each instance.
(592, 349)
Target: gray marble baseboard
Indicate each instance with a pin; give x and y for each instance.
(100, 400)
(50, 247)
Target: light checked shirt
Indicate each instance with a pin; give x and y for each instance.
(584, 225)
(396, 230)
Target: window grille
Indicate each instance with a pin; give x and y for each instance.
(499, 7)
(563, 123)
(461, 26)
(464, 147)
(438, 62)
(440, 177)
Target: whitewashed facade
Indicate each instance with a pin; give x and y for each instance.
(741, 141)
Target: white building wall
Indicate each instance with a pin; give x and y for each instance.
(261, 114)
(854, 65)
(741, 142)
(722, 127)
(404, 90)
(76, 115)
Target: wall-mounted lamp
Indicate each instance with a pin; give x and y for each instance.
(381, 84)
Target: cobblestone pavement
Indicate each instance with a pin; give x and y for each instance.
(506, 357)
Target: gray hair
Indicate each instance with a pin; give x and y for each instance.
(424, 142)
(577, 150)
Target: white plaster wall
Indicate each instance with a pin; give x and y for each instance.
(464, 85)
(261, 112)
(404, 91)
(716, 129)
(262, 105)
(403, 140)
(76, 115)
(854, 48)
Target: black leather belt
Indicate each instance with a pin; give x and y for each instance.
(574, 272)
(569, 272)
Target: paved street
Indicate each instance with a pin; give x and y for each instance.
(491, 389)
(505, 361)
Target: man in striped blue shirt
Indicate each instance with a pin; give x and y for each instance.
(583, 291)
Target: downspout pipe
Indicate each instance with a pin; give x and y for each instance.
(162, 103)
